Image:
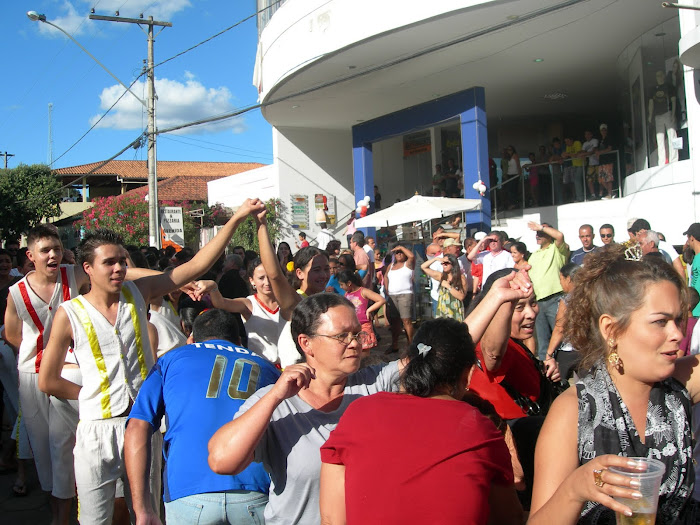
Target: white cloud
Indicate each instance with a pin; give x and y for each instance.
(71, 21)
(178, 103)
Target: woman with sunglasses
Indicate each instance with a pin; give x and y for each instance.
(453, 287)
(284, 425)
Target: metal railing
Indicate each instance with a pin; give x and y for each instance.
(507, 189)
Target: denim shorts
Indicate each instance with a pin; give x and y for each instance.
(236, 507)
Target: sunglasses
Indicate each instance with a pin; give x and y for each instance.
(606, 235)
(447, 264)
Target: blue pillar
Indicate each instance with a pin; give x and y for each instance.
(363, 173)
(475, 157)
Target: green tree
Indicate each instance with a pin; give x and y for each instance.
(246, 234)
(28, 194)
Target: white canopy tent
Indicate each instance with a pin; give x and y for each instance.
(417, 208)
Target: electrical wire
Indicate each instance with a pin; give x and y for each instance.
(215, 149)
(213, 36)
(133, 144)
(432, 49)
(95, 124)
(262, 153)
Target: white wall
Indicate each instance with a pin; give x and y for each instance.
(302, 31)
(313, 161)
(232, 191)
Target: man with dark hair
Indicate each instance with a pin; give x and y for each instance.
(607, 234)
(197, 388)
(108, 330)
(586, 236)
(544, 272)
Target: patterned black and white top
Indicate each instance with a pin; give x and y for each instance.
(606, 427)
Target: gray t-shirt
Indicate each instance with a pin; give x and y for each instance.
(290, 447)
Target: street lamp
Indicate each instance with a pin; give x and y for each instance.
(150, 105)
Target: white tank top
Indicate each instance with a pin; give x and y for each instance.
(264, 329)
(37, 316)
(114, 360)
(170, 335)
(400, 281)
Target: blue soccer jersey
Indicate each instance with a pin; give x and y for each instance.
(199, 388)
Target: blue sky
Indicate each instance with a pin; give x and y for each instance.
(42, 66)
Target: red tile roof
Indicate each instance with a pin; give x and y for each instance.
(191, 188)
(137, 169)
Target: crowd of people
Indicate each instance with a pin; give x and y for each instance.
(241, 389)
(577, 169)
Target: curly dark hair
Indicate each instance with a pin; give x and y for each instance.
(610, 284)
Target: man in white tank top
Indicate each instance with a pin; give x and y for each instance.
(108, 327)
(28, 320)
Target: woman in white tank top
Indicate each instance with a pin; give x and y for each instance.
(398, 282)
(260, 311)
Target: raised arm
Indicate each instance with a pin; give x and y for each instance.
(433, 274)
(479, 247)
(232, 447)
(287, 296)
(410, 258)
(50, 380)
(237, 306)
(549, 230)
(161, 284)
(512, 287)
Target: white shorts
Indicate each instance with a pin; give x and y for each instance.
(35, 412)
(63, 421)
(99, 464)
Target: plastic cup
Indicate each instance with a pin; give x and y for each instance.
(644, 509)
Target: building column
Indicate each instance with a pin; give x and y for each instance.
(475, 157)
(363, 174)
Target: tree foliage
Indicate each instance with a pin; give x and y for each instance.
(127, 215)
(28, 194)
(246, 234)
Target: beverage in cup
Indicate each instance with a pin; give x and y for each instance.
(644, 509)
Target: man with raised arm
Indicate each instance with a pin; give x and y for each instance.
(108, 326)
(544, 272)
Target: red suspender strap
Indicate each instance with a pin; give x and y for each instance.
(65, 285)
(32, 313)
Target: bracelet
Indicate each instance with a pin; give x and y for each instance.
(547, 356)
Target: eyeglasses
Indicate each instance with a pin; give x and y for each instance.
(606, 235)
(347, 337)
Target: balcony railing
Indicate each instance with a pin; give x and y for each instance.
(514, 194)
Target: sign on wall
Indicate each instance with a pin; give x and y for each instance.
(172, 227)
(327, 204)
(300, 212)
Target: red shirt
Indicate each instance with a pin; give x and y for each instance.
(414, 460)
(518, 370)
(304, 244)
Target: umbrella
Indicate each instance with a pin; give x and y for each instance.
(417, 208)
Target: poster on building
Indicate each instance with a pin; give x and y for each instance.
(300, 212)
(172, 227)
(416, 143)
(327, 204)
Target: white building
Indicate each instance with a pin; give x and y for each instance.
(363, 92)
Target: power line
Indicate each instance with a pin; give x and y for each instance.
(437, 47)
(184, 139)
(213, 36)
(133, 144)
(96, 123)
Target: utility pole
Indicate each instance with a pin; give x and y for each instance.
(153, 211)
(6, 154)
